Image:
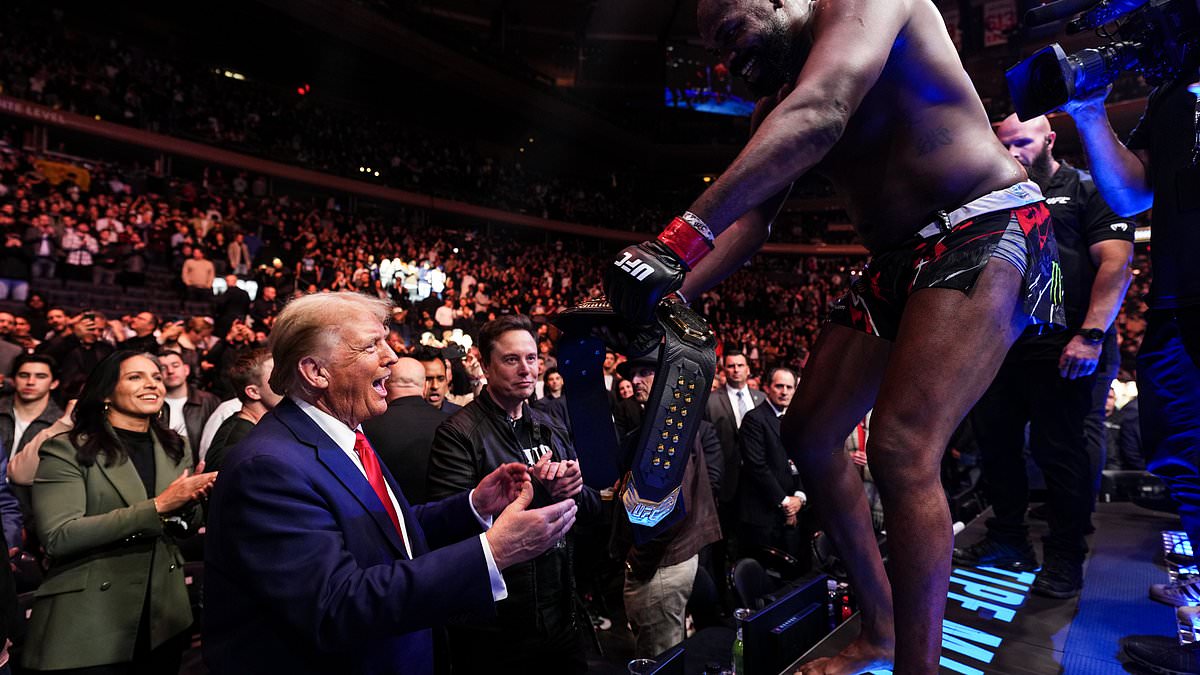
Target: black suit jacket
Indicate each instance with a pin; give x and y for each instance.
(402, 437)
(719, 413)
(766, 475)
(627, 416)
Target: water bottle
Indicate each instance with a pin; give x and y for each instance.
(739, 649)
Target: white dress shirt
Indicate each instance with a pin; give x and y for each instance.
(733, 400)
(344, 438)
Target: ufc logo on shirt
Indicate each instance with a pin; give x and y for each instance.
(636, 268)
(532, 455)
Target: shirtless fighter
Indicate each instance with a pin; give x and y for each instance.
(871, 93)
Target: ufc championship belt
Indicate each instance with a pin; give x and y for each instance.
(686, 345)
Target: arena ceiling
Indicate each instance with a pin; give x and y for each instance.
(575, 42)
(582, 20)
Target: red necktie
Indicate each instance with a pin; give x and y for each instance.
(370, 462)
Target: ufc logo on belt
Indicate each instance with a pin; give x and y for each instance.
(636, 268)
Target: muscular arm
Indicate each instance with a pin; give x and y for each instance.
(1123, 175)
(852, 42)
(734, 246)
(1112, 259)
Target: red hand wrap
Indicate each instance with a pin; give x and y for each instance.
(686, 242)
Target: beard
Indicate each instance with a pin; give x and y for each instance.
(780, 57)
(1041, 170)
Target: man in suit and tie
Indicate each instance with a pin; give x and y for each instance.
(403, 435)
(315, 562)
(725, 409)
(727, 406)
(771, 495)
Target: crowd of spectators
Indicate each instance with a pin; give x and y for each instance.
(208, 229)
(1131, 322)
(49, 60)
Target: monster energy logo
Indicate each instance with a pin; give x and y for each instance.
(1056, 284)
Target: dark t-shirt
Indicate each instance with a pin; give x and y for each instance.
(140, 446)
(532, 438)
(1081, 218)
(1167, 132)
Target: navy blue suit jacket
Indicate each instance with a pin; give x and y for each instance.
(305, 572)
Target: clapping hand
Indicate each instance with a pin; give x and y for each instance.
(561, 479)
(499, 488)
(520, 535)
(184, 490)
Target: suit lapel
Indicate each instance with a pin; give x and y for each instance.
(727, 405)
(774, 420)
(124, 478)
(165, 470)
(343, 468)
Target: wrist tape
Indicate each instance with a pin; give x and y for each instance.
(689, 238)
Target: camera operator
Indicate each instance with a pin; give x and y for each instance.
(1157, 167)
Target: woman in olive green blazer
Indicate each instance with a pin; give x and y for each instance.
(109, 499)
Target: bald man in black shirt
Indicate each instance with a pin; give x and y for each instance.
(1049, 380)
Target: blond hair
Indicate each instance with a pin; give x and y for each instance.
(309, 327)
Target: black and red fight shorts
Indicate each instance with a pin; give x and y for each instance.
(952, 254)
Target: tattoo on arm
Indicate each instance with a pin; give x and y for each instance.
(932, 140)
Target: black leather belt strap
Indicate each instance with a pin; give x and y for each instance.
(581, 364)
(686, 366)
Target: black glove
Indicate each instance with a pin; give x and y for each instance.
(640, 277)
(632, 341)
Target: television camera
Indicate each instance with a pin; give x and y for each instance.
(1159, 39)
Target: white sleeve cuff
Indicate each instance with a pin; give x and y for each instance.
(485, 522)
(803, 497)
(499, 589)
